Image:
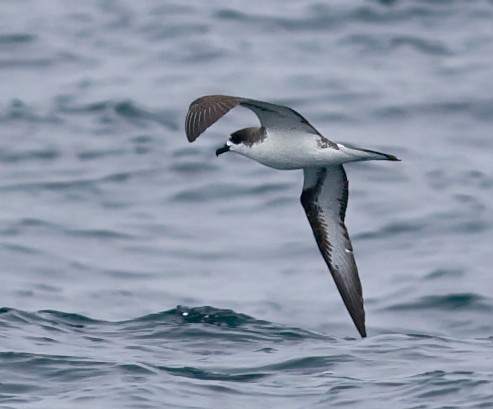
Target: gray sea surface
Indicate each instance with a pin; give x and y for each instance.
(140, 271)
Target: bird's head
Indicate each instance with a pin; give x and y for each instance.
(242, 141)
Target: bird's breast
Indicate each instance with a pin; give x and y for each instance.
(291, 151)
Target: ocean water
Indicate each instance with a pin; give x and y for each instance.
(140, 271)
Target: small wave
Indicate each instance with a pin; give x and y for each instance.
(238, 326)
(86, 184)
(393, 229)
(211, 192)
(449, 302)
(445, 272)
(384, 44)
(26, 225)
(208, 375)
(175, 323)
(55, 317)
(20, 110)
(215, 192)
(195, 167)
(480, 109)
(46, 154)
(17, 38)
(129, 110)
(67, 318)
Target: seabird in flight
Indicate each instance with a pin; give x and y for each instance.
(286, 140)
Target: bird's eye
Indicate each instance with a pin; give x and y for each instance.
(235, 138)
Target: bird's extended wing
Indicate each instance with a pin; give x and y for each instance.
(205, 111)
(278, 116)
(324, 198)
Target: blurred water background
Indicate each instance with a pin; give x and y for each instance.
(139, 271)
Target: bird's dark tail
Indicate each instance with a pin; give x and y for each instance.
(366, 154)
(384, 156)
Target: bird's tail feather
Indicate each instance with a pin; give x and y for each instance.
(367, 154)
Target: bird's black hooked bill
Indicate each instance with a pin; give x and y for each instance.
(222, 149)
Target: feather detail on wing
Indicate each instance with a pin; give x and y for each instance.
(205, 111)
(324, 198)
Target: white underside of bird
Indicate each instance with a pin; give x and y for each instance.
(291, 149)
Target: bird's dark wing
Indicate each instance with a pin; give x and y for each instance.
(205, 111)
(324, 198)
(278, 116)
